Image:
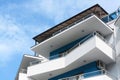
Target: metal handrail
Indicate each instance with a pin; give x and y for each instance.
(89, 74)
(74, 47)
(78, 44)
(86, 38)
(64, 53)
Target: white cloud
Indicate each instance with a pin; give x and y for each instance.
(13, 39)
(16, 39)
(58, 10)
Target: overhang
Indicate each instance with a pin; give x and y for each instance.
(75, 32)
(96, 10)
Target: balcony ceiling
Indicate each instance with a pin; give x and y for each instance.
(75, 32)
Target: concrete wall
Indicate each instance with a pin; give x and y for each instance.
(114, 68)
(22, 76)
(110, 39)
(117, 46)
(117, 37)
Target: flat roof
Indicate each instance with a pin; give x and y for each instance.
(96, 10)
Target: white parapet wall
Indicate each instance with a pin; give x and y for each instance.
(105, 49)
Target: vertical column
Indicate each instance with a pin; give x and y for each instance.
(117, 39)
(117, 46)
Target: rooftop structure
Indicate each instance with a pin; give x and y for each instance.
(96, 10)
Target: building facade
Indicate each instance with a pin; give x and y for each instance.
(84, 47)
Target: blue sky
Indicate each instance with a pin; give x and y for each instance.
(21, 20)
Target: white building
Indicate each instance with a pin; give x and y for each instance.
(84, 47)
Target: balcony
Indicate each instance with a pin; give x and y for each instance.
(92, 48)
(96, 10)
(95, 75)
(71, 49)
(76, 31)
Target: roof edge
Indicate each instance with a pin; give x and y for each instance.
(96, 5)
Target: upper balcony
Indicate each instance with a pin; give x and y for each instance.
(75, 27)
(92, 48)
(76, 31)
(96, 10)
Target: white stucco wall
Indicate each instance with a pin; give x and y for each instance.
(114, 68)
(110, 39)
(104, 48)
(46, 67)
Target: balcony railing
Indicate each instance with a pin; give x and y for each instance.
(111, 16)
(81, 42)
(90, 74)
(74, 47)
